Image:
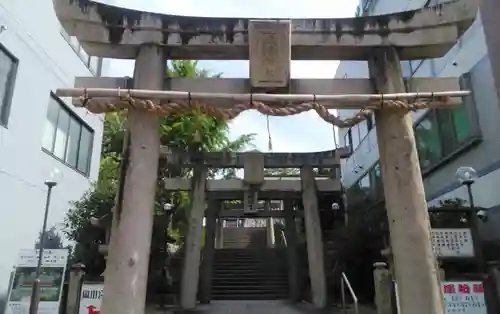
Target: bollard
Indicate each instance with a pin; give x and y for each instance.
(383, 288)
(74, 288)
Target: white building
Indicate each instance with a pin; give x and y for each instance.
(464, 136)
(38, 131)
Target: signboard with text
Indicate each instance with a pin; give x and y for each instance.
(460, 297)
(452, 242)
(91, 298)
(51, 281)
(464, 297)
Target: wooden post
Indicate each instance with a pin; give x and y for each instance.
(415, 265)
(128, 262)
(191, 269)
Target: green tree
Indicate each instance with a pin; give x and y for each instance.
(51, 239)
(181, 131)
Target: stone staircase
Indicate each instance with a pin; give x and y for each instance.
(240, 237)
(249, 274)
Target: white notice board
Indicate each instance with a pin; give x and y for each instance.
(91, 298)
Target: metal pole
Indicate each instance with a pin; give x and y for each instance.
(471, 198)
(35, 291)
(476, 237)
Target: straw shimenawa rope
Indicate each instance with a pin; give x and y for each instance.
(127, 102)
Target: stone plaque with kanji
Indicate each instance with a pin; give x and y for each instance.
(452, 242)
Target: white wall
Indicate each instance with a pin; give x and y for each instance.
(46, 62)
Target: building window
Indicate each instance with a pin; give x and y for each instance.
(442, 132)
(67, 137)
(428, 141)
(376, 181)
(91, 62)
(348, 138)
(8, 70)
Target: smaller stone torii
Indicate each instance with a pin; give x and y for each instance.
(269, 45)
(252, 188)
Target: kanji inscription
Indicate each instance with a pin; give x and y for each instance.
(453, 242)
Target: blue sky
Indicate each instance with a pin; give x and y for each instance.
(301, 133)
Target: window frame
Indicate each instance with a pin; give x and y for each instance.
(474, 138)
(10, 87)
(82, 54)
(83, 125)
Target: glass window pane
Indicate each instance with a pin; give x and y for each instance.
(49, 133)
(73, 141)
(461, 122)
(363, 129)
(446, 130)
(377, 184)
(84, 152)
(428, 141)
(61, 134)
(85, 56)
(348, 138)
(406, 68)
(94, 64)
(365, 182)
(355, 136)
(7, 68)
(74, 43)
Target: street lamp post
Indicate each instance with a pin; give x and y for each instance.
(467, 176)
(35, 291)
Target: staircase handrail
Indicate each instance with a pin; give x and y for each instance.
(284, 238)
(345, 282)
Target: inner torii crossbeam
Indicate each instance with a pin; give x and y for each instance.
(270, 45)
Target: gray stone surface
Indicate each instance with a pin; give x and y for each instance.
(427, 32)
(264, 307)
(255, 307)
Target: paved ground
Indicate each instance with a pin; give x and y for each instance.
(255, 307)
(262, 307)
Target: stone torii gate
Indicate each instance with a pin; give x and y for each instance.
(254, 187)
(151, 39)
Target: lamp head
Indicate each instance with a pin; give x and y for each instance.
(55, 177)
(466, 175)
(167, 207)
(482, 215)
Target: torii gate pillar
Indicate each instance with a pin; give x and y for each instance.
(415, 265)
(128, 262)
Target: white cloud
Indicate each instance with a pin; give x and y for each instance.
(305, 132)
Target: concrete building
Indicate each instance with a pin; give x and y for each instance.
(39, 131)
(446, 139)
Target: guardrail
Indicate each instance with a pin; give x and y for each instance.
(343, 283)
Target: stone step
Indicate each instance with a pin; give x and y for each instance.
(249, 281)
(245, 274)
(249, 274)
(250, 297)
